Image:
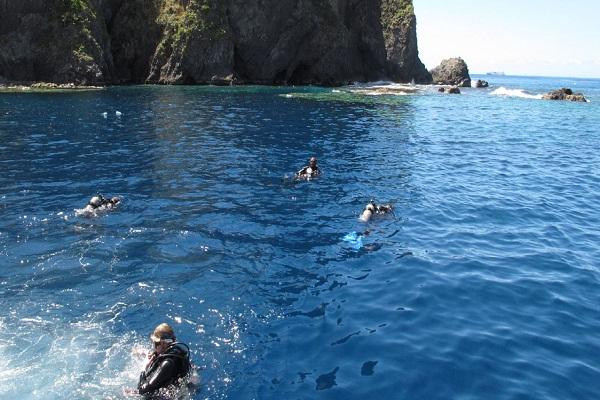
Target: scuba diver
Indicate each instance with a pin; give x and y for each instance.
(167, 364)
(309, 171)
(98, 204)
(372, 208)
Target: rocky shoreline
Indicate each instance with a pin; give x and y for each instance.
(44, 87)
(449, 77)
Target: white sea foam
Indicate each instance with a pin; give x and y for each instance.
(46, 358)
(502, 91)
(381, 93)
(384, 88)
(371, 84)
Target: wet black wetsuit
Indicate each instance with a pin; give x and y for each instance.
(104, 202)
(305, 173)
(383, 208)
(165, 369)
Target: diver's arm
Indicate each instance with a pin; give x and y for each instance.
(302, 171)
(160, 378)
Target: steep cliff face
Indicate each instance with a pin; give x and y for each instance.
(305, 42)
(195, 45)
(400, 32)
(53, 40)
(134, 36)
(209, 41)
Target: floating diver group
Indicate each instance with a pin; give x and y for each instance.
(168, 365)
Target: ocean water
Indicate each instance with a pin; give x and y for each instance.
(484, 284)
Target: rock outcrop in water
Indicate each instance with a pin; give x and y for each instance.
(449, 90)
(453, 71)
(564, 94)
(209, 41)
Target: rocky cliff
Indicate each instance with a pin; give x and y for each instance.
(328, 42)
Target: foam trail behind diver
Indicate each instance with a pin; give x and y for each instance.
(47, 358)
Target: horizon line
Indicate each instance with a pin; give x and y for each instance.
(534, 76)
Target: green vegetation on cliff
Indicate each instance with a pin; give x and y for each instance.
(199, 19)
(78, 18)
(76, 5)
(192, 41)
(395, 13)
(76, 12)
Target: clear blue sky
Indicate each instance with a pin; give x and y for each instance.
(519, 37)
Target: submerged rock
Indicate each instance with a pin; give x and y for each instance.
(564, 94)
(449, 90)
(90, 42)
(453, 71)
(479, 83)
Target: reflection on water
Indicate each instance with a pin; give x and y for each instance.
(488, 265)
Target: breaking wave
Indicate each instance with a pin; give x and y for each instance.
(502, 91)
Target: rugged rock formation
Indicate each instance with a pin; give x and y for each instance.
(209, 41)
(453, 71)
(564, 94)
(400, 32)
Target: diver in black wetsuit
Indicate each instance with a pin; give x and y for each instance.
(99, 201)
(309, 171)
(98, 204)
(169, 361)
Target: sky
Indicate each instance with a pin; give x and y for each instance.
(517, 37)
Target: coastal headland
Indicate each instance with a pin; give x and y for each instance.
(106, 42)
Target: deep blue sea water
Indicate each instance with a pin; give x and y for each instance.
(485, 284)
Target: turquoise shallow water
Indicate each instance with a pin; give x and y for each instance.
(484, 284)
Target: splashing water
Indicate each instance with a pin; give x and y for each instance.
(502, 91)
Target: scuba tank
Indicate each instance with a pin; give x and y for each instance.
(180, 358)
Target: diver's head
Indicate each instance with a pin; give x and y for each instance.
(162, 337)
(312, 162)
(96, 201)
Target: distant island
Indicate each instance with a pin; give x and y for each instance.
(497, 73)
